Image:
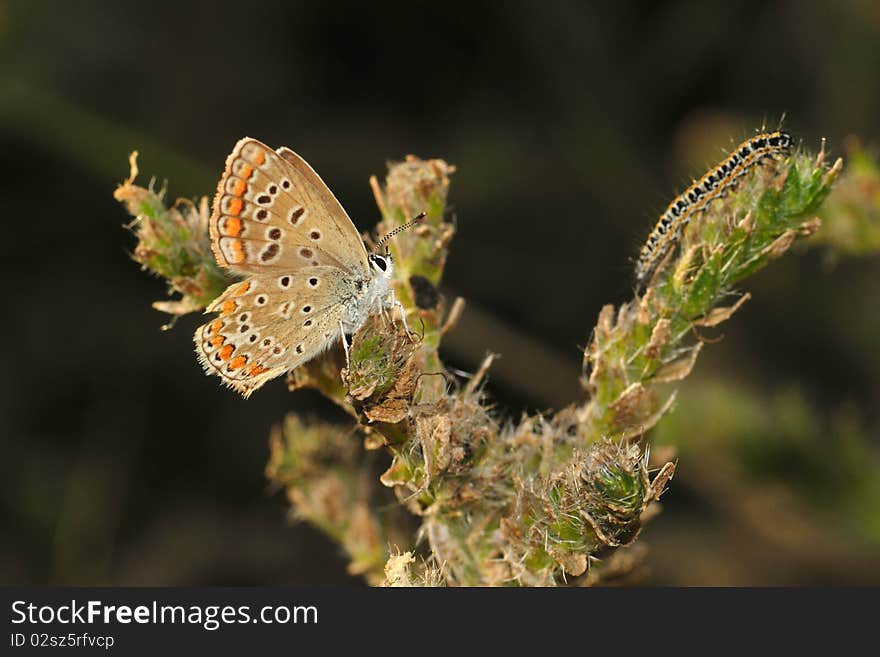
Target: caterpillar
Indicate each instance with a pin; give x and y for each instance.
(696, 198)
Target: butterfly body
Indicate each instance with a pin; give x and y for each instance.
(366, 296)
(309, 279)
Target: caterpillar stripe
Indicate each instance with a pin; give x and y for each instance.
(696, 198)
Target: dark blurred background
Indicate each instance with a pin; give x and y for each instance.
(571, 124)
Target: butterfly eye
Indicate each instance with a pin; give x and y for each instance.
(379, 262)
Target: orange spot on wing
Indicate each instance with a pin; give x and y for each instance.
(226, 352)
(235, 206)
(257, 369)
(247, 171)
(232, 225)
(237, 252)
(228, 307)
(239, 188)
(217, 340)
(238, 362)
(242, 289)
(259, 158)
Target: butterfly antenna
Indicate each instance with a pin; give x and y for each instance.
(409, 224)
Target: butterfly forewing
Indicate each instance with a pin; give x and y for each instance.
(273, 212)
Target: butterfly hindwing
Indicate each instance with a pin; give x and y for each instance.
(273, 212)
(270, 324)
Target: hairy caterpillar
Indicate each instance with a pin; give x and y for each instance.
(696, 198)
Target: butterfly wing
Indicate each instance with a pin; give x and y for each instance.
(270, 324)
(272, 212)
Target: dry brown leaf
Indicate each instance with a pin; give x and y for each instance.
(678, 369)
(717, 316)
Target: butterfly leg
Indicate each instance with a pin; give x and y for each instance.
(344, 345)
(402, 315)
(394, 303)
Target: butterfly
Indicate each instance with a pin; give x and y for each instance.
(309, 277)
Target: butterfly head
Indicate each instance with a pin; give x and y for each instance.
(382, 265)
